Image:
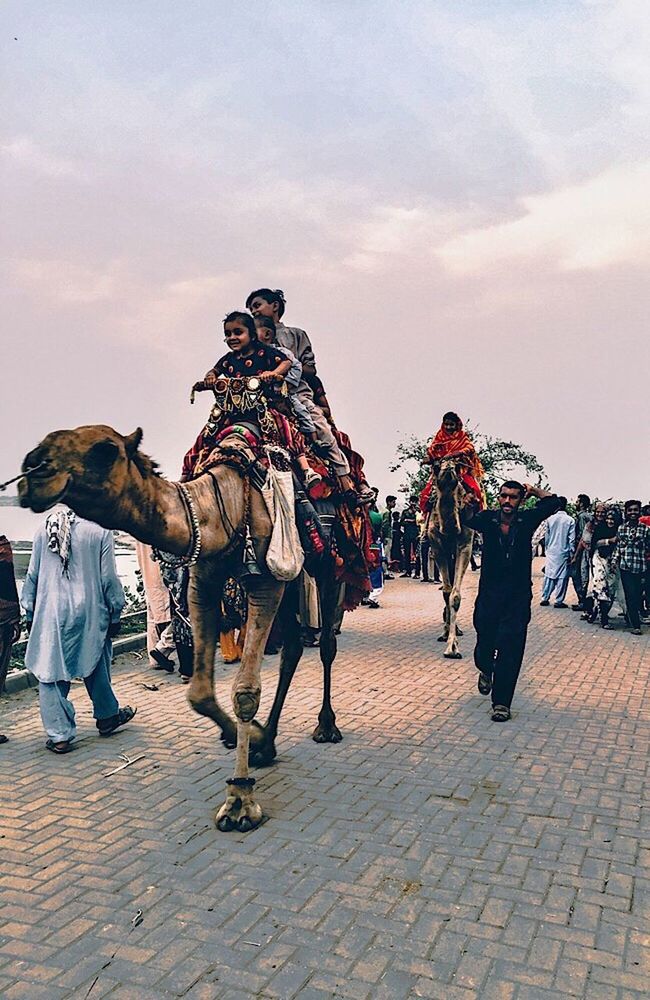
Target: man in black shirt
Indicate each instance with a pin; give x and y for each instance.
(410, 534)
(502, 609)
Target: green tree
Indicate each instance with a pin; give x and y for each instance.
(501, 460)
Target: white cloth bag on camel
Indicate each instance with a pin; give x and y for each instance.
(284, 557)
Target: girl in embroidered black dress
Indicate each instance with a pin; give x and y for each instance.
(247, 356)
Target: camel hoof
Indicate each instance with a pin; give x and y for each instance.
(453, 656)
(238, 814)
(327, 734)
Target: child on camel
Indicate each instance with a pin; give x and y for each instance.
(247, 356)
(302, 401)
(271, 302)
(451, 441)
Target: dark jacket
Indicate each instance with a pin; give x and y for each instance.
(505, 588)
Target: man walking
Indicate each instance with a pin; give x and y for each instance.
(631, 553)
(160, 636)
(560, 540)
(410, 535)
(387, 532)
(73, 600)
(9, 611)
(502, 609)
(580, 558)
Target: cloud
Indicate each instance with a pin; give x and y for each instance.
(28, 154)
(64, 282)
(600, 222)
(400, 231)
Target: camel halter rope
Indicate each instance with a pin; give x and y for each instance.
(23, 475)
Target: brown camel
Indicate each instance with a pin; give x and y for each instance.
(103, 476)
(451, 544)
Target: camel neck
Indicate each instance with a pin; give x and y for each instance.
(150, 509)
(448, 511)
(156, 513)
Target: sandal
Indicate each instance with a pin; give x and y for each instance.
(500, 713)
(3, 738)
(64, 747)
(108, 726)
(162, 662)
(484, 683)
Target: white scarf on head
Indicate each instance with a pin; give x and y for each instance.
(59, 536)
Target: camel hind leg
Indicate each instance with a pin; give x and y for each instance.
(204, 597)
(330, 593)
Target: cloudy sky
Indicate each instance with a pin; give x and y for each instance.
(452, 193)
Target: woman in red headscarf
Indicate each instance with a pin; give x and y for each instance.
(452, 441)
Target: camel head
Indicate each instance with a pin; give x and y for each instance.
(87, 468)
(447, 474)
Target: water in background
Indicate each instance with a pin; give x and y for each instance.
(21, 525)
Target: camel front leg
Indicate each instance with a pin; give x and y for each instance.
(204, 599)
(443, 565)
(240, 811)
(330, 593)
(463, 553)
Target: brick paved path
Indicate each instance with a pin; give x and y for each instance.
(432, 853)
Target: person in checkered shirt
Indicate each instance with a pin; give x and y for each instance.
(632, 550)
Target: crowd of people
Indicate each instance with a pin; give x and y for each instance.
(605, 552)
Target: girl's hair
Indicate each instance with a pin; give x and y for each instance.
(266, 321)
(243, 317)
(269, 295)
(451, 416)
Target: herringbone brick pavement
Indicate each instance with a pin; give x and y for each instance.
(431, 854)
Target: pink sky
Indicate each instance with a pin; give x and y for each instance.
(453, 197)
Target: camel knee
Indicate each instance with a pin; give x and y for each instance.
(455, 599)
(246, 703)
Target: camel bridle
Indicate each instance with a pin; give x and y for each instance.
(194, 550)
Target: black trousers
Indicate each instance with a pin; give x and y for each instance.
(410, 552)
(499, 653)
(633, 589)
(425, 547)
(576, 579)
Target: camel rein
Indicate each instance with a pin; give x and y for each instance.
(22, 475)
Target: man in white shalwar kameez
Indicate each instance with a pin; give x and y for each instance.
(160, 637)
(73, 600)
(560, 537)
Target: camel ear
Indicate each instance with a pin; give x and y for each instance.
(132, 442)
(102, 455)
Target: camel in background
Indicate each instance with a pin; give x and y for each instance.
(451, 544)
(104, 477)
